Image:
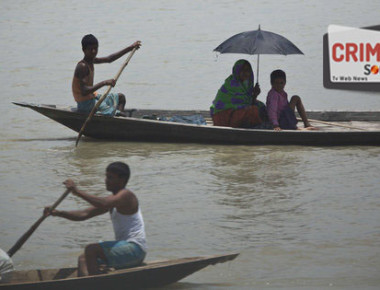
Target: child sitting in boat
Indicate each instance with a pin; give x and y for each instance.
(129, 247)
(84, 90)
(235, 104)
(280, 111)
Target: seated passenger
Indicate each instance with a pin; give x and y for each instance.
(280, 111)
(235, 104)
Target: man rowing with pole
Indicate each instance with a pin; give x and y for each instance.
(84, 90)
(129, 247)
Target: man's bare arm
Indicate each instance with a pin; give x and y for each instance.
(82, 73)
(76, 215)
(121, 199)
(117, 55)
(124, 198)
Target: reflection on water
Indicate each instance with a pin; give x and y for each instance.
(260, 183)
(269, 170)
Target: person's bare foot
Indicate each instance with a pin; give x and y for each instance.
(308, 126)
(121, 114)
(311, 128)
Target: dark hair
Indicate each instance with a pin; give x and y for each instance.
(121, 169)
(88, 40)
(277, 74)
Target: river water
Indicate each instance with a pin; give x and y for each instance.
(301, 217)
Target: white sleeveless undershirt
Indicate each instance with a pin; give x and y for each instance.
(129, 227)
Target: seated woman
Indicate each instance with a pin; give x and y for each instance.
(235, 104)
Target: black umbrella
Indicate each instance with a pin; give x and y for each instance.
(258, 42)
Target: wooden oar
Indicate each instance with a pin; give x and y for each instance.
(103, 96)
(333, 124)
(27, 235)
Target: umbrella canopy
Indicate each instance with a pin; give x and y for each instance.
(258, 42)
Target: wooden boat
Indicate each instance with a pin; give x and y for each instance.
(153, 274)
(138, 128)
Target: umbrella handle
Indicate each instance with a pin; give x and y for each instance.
(258, 62)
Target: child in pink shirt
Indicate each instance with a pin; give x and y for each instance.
(280, 111)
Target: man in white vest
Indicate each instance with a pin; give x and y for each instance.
(129, 247)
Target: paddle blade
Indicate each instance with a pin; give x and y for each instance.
(21, 241)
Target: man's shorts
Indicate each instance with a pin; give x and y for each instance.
(108, 107)
(122, 254)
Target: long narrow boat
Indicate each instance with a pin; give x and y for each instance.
(138, 128)
(153, 274)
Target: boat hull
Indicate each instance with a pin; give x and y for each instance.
(144, 130)
(154, 274)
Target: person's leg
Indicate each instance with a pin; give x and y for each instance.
(245, 118)
(122, 102)
(295, 102)
(125, 254)
(222, 118)
(82, 267)
(93, 252)
(110, 104)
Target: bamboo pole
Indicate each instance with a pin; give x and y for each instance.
(103, 97)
